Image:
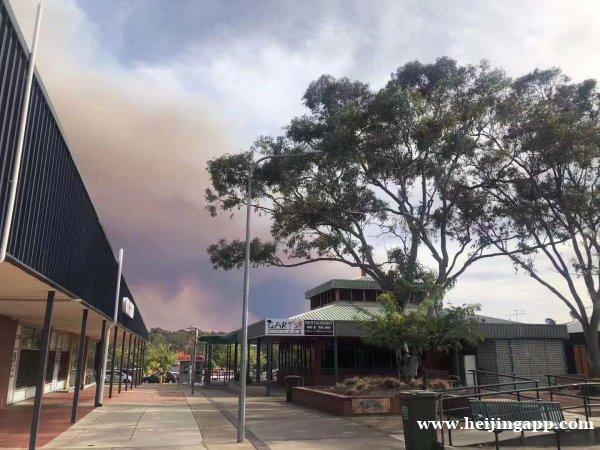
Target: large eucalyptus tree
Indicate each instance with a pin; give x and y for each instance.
(394, 174)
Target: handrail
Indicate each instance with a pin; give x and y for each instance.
(506, 375)
(585, 398)
(487, 386)
(571, 377)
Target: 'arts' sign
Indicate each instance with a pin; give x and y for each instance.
(285, 327)
(298, 327)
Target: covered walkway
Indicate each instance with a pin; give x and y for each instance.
(15, 420)
(156, 416)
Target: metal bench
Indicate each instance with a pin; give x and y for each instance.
(513, 411)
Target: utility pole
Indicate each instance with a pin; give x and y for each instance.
(516, 313)
(193, 362)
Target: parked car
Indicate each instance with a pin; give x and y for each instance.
(168, 377)
(154, 378)
(124, 377)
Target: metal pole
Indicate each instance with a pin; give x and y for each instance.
(243, 363)
(244, 357)
(80, 366)
(104, 335)
(144, 362)
(39, 390)
(336, 369)
(258, 368)
(193, 369)
(269, 365)
(127, 374)
(112, 370)
(121, 374)
(132, 366)
(114, 324)
(14, 180)
(235, 359)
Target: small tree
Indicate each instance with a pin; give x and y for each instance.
(160, 359)
(412, 331)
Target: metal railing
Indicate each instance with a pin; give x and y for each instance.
(586, 405)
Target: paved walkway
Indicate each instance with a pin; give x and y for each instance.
(15, 420)
(272, 423)
(151, 416)
(169, 417)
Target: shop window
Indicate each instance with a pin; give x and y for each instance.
(371, 295)
(357, 295)
(63, 368)
(90, 368)
(50, 366)
(345, 295)
(30, 338)
(29, 365)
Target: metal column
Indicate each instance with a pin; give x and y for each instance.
(235, 360)
(99, 375)
(112, 366)
(39, 389)
(336, 369)
(132, 368)
(121, 364)
(127, 374)
(269, 365)
(258, 360)
(80, 366)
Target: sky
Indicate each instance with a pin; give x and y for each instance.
(147, 91)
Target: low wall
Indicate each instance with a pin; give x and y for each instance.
(345, 405)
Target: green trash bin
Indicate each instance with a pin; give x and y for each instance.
(291, 381)
(419, 405)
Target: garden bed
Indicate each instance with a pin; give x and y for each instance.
(357, 396)
(345, 405)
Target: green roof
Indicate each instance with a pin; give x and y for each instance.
(358, 283)
(343, 311)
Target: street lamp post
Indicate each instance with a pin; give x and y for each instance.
(244, 357)
(193, 362)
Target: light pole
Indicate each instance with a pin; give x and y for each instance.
(244, 357)
(193, 362)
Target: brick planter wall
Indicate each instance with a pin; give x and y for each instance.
(345, 405)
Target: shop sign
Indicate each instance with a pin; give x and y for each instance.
(318, 327)
(284, 327)
(128, 307)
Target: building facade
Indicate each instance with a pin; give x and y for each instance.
(325, 344)
(59, 280)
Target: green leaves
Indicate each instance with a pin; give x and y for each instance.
(396, 168)
(426, 327)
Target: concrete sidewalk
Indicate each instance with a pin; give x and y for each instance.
(152, 416)
(275, 424)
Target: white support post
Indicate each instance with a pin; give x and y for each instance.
(14, 180)
(114, 322)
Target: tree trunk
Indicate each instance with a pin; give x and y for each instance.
(593, 349)
(398, 353)
(413, 366)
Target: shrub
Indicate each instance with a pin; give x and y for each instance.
(439, 384)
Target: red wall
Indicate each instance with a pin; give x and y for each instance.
(8, 331)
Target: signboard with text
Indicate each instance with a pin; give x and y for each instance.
(298, 327)
(318, 327)
(284, 327)
(128, 307)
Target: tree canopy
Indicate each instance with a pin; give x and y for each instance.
(443, 166)
(394, 172)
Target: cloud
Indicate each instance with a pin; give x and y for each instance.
(148, 91)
